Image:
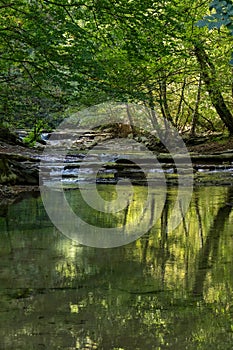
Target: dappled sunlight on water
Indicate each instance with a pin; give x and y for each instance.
(168, 290)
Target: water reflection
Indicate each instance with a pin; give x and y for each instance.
(167, 290)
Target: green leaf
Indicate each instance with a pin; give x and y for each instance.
(202, 23)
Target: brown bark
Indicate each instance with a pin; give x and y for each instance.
(180, 102)
(209, 77)
(164, 102)
(195, 111)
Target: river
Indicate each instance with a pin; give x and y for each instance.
(166, 290)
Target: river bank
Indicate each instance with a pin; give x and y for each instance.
(212, 160)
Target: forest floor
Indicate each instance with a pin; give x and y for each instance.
(210, 146)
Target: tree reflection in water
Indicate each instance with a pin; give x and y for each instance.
(167, 290)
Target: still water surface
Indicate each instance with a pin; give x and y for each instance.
(168, 290)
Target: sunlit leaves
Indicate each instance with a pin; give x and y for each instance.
(90, 52)
(222, 16)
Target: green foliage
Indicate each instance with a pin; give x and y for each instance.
(59, 55)
(35, 134)
(222, 16)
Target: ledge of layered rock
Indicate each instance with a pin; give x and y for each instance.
(18, 169)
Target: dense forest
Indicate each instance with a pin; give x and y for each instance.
(114, 236)
(175, 57)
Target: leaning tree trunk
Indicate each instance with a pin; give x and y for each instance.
(209, 77)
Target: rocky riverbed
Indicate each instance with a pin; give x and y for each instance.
(212, 163)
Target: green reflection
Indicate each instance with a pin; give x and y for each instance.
(167, 290)
(135, 205)
(121, 208)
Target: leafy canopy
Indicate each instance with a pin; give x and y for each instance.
(222, 15)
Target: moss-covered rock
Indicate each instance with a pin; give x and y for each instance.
(18, 170)
(8, 136)
(7, 176)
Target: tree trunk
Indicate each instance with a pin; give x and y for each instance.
(152, 113)
(195, 111)
(134, 132)
(209, 77)
(180, 102)
(164, 102)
